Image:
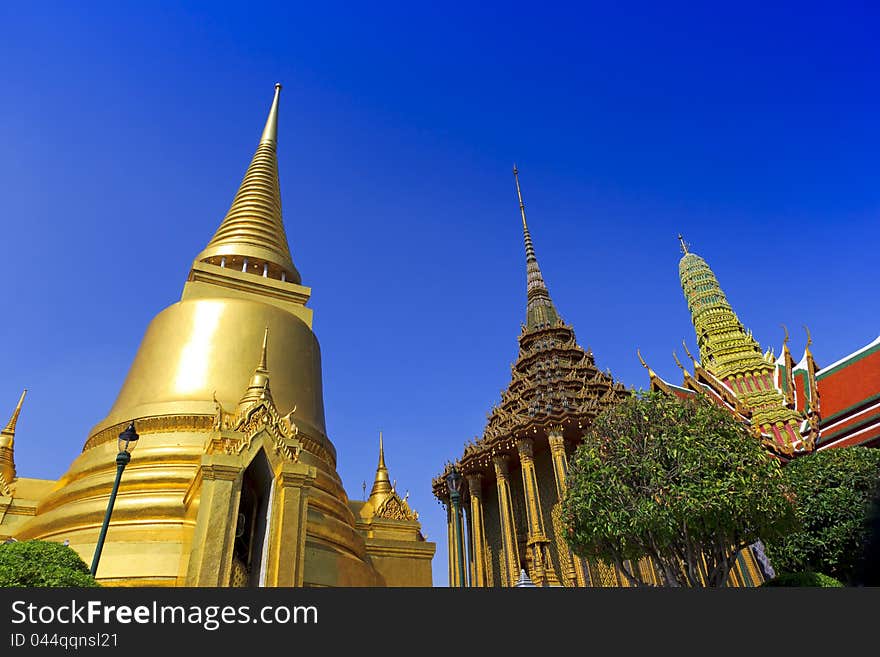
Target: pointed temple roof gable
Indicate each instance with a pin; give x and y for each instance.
(251, 236)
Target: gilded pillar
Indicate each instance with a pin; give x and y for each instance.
(538, 543)
(569, 561)
(477, 529)
(216, 487)
(508, 529)
(287, 532)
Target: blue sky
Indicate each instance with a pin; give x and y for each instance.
(125, 132)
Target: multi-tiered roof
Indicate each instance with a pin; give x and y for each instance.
(554, 382)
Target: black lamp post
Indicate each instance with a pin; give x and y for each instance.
(127, 442)
(453, 483)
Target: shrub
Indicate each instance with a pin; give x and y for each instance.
(834, 489)
(42, 564)
(803, 579)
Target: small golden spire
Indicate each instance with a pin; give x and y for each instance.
(10, 426)
(382, 487)
(809, 337)
(785, 339)
(263, 356)
(684, 246)
(258, 388)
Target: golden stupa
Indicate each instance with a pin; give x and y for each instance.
(234, 481)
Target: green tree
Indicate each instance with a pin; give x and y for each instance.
(834, 489)
(680, 481)
(42, 563)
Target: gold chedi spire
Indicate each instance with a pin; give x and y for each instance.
(382, 487)
(10, 426)
(251, 237)
(7, 448)
(540, 310)
(258, 388)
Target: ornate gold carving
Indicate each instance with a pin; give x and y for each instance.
(562, 550)
(260, 415)
(154, 424)
(395, 509)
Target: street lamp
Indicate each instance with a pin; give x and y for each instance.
(453, 483)
(127, 442)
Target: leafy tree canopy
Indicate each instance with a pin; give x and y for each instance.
(833, 490)
(42, 563)
(680, 481)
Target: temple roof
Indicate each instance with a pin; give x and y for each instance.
(554, 384)
(253, 228)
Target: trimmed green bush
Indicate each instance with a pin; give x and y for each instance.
(42, 564)
(803, 579)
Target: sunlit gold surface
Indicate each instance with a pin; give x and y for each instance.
(229, 374)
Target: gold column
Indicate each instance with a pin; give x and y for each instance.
(573, 565)
(508, 530)
(478, 533)
(287, 532)
(538, 543)
(219, 480)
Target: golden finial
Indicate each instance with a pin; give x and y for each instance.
(785, 340)
(10, 426)
(270, 132)
(381, 452)
(677, 362)
(684, 246)
(263, 354)
(809, 337)
(687, 351)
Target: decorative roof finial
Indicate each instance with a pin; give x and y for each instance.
(684, 246)
(785, 339)
(677, 362)
(687, 351)
(809, 337)
(644, 364)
